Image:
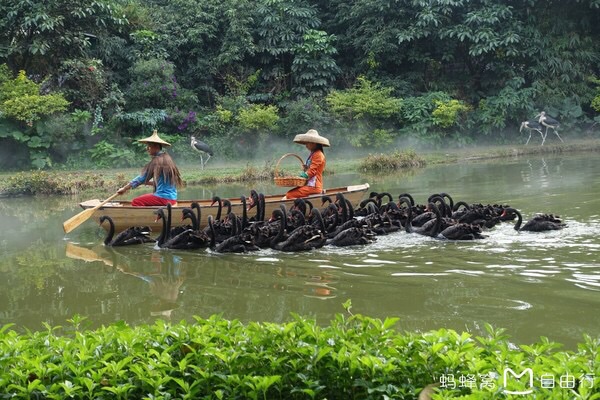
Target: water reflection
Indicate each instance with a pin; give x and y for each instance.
(533, 284)
(163, 274)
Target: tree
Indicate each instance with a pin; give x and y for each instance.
(37, 36)
(314, 68)
(207, 42)
(282, 25)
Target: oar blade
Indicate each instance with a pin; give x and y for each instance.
(77, 220)
(83, 216)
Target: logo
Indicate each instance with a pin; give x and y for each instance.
(509, 372)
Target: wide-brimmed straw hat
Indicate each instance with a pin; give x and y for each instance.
(154, 139)
(312, 136)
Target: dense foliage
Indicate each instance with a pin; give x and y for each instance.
(370, 74)
(354, 357)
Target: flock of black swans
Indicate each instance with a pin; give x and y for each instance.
(335, 222)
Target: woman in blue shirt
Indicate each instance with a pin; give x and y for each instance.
(161, 172)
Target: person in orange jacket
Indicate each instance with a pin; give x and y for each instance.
(314, 166)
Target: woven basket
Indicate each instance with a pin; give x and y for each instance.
(293, 181)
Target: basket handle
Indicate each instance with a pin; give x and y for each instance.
(284, 156)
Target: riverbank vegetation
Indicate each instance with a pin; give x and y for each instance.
(60, 182)
(353, 357)
(80, 81)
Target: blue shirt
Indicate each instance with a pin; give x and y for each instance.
(163, 189)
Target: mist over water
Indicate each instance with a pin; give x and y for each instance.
(532, 284)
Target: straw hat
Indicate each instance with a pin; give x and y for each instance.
(154, 139)
(312, 136)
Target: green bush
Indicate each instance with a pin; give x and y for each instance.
(20, 99)
(446, 113)
(258, 117)
(354, 357)
(365, 100)
(42, 182)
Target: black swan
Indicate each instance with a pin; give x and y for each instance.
(256, 200)
(351, 231)
(237, 243)
(222, 227)
(185, 239)
(305, 237)
(333, 226)
(363, 207)
(430, 230)
(409, 197)
(193, 238)
(300, 205)
(539, 223)
(458, 212)
(352, 236)
(131, 235)
(331, 217)
(188, 213)
(278, 232)
(462, 231)
(173, 230)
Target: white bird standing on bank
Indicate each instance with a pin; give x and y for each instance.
(201, 148)
(549, 122)
(532, 125)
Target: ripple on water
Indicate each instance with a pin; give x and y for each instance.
(420, 274)
(586, 281)
(466, 272)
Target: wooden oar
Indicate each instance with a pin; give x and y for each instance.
(83, 216)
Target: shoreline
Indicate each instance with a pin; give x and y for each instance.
(65, 182)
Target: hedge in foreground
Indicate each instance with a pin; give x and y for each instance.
(355, 357)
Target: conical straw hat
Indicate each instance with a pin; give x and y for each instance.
(312, 136)
(154, 139)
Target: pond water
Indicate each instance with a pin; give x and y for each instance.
(532, 284)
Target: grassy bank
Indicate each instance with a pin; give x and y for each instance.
(71, 182)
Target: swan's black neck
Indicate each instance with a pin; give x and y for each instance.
(244, 212)
(342, 203)
(261, 204)
(217, 200)
(111, 230)
(190, 214)
(279, 214)
(211, 229)
(164, 234)
(196, 206)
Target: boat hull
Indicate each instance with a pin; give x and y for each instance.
(125, 215)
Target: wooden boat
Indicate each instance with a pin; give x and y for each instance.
(125, 215)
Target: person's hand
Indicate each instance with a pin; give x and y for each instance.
(123, 189)
(304, 167)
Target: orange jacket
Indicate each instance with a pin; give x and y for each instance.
(314, 183)
(315, 170)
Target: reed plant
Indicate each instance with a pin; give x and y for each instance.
(392, 161)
